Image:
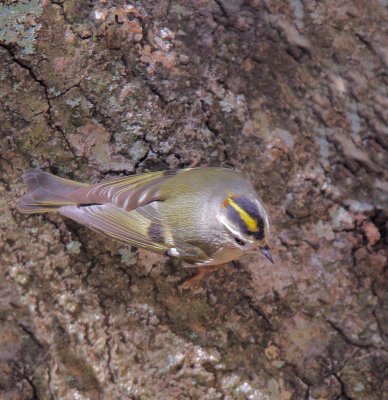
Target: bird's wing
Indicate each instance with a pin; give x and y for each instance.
(127, 193)
(139, 228)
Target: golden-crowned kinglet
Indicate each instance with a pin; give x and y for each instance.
(204, 216)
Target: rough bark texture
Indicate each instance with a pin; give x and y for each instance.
(293, 93)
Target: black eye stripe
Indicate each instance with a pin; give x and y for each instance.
(259, 235)
(239, 241)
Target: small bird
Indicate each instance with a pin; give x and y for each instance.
(203, 216)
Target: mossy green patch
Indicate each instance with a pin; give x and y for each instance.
(18, 23)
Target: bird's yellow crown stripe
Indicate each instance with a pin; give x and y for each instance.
(250, 222)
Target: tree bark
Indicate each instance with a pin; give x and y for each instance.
(294, 94)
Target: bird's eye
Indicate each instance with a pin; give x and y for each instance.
(239, 241)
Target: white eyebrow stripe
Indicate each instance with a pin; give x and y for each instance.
(224, 221)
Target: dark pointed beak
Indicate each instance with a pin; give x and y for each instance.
(265, 250)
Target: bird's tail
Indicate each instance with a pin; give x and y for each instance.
(47, 193)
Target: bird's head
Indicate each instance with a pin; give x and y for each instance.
(247, 223)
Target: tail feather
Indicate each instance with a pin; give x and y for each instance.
(47, 192)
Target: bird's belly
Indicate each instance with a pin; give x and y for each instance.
(222, 256)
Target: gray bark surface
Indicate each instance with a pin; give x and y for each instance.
(292, 93)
